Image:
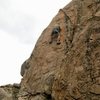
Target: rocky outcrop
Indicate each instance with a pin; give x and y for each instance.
(65, 63)
(9, 92)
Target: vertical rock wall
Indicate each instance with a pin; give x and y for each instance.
(65, 64)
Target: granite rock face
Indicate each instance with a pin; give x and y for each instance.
(65, 63)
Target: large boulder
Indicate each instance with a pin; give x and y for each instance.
(65, 63)
(9, 92)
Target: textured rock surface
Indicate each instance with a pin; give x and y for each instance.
(9, 92)
(65, 64)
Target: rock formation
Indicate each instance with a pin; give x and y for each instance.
(65, 63)
(9, 92)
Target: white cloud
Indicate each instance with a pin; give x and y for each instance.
(17, 24)
(12, 55)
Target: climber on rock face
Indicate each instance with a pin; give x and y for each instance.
(55, 34)
(56, 30)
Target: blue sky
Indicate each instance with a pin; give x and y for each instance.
(21, 23)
